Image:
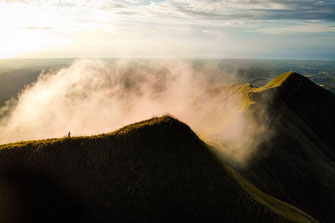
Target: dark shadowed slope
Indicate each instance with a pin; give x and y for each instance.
(152, 171)
(297, 164)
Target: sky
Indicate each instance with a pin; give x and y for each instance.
(269, 29)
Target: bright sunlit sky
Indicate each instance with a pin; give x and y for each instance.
(302, 29)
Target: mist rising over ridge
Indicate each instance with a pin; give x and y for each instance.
(266, 133)
(94, 96)
(15, 74)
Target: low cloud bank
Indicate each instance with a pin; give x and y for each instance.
(94, 96)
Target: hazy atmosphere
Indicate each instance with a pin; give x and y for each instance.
(150, 75)
(167, 111)
(168, 29)
(93, 96)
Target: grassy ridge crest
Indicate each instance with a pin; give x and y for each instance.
(154, 170)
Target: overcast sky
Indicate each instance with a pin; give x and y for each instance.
(303, 29)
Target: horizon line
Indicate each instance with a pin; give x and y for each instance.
(156, 58)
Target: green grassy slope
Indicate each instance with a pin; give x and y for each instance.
(152, 171)
(297, 164)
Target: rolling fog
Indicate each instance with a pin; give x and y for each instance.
(94, 96)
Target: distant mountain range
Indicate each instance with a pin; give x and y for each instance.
(158, 170)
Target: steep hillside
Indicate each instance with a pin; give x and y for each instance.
(297, 164)
(152, 171)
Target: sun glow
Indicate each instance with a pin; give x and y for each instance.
(166, 29)
(27, 29)
(19, 42)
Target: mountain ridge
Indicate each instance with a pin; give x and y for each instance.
(297, 163)
(154, 170)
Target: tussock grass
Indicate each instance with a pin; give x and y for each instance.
(156, 170)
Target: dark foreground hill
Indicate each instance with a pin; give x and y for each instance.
(297, 164)
(152, 171)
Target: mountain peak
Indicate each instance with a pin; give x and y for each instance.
(293, 87)
(300, 116)
(157, 124)
(288, 78)
(288, 82)
(294, 93)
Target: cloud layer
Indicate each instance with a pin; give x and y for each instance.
(205, 9)
(228, 28)
(94, 96)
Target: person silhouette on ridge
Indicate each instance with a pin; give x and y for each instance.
(69, 134)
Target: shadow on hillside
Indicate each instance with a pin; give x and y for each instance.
(27, 197)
